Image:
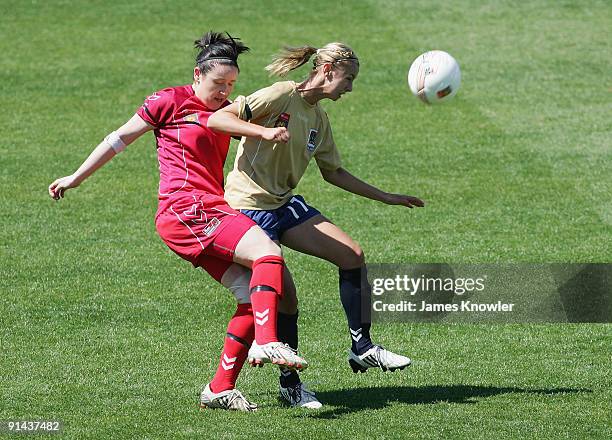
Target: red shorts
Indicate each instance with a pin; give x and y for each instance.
(203, 230)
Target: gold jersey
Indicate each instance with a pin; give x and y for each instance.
(265, 173)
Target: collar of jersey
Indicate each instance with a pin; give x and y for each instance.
(306, 103)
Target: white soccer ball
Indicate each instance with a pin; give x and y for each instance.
(434, 77)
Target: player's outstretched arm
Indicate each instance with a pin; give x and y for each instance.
(345, 180)
(226, 120)
(105, 151)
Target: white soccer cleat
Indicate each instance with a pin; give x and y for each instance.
(276, 353)
(299, 396)
(230, 400)
(377, 356)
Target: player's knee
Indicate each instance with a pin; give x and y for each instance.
(269, 248)
(265, 249)
(254, 245)
(236, 278)
(353, 258)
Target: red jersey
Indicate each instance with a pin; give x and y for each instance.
(190, 155)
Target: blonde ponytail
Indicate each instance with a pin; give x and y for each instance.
(293, 57)
(289, 59)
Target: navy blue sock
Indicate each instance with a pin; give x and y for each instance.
(354, 302)
(287, 332)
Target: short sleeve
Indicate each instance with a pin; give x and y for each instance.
(244, 112)
(264, 102)
(157, 109)
(327, 154)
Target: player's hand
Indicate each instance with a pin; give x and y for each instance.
(276, 134)
(407, 201)
(59, 187)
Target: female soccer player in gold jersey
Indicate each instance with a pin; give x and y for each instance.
(266, 173)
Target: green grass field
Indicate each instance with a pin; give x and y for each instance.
(103, 328)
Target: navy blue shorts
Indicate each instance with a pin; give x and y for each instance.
(276, 221)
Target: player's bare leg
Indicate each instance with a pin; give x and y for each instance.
(321, 238)
(289, 302)
(253, 245)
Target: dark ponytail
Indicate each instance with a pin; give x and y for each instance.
(216, 48)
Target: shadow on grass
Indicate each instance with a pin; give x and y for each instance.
(359, 399)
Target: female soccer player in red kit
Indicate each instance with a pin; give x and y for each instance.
(267, 196)
(194, 220)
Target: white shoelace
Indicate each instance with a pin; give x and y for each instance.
(229, 399)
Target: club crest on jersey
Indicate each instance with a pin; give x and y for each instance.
(191, 118)
(312, 137)
(282, 120)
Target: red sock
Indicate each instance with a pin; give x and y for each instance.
(265, 305)
(266, 289)
(237, 342)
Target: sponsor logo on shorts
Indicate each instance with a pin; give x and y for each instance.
(312, 137)
(211, 226)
